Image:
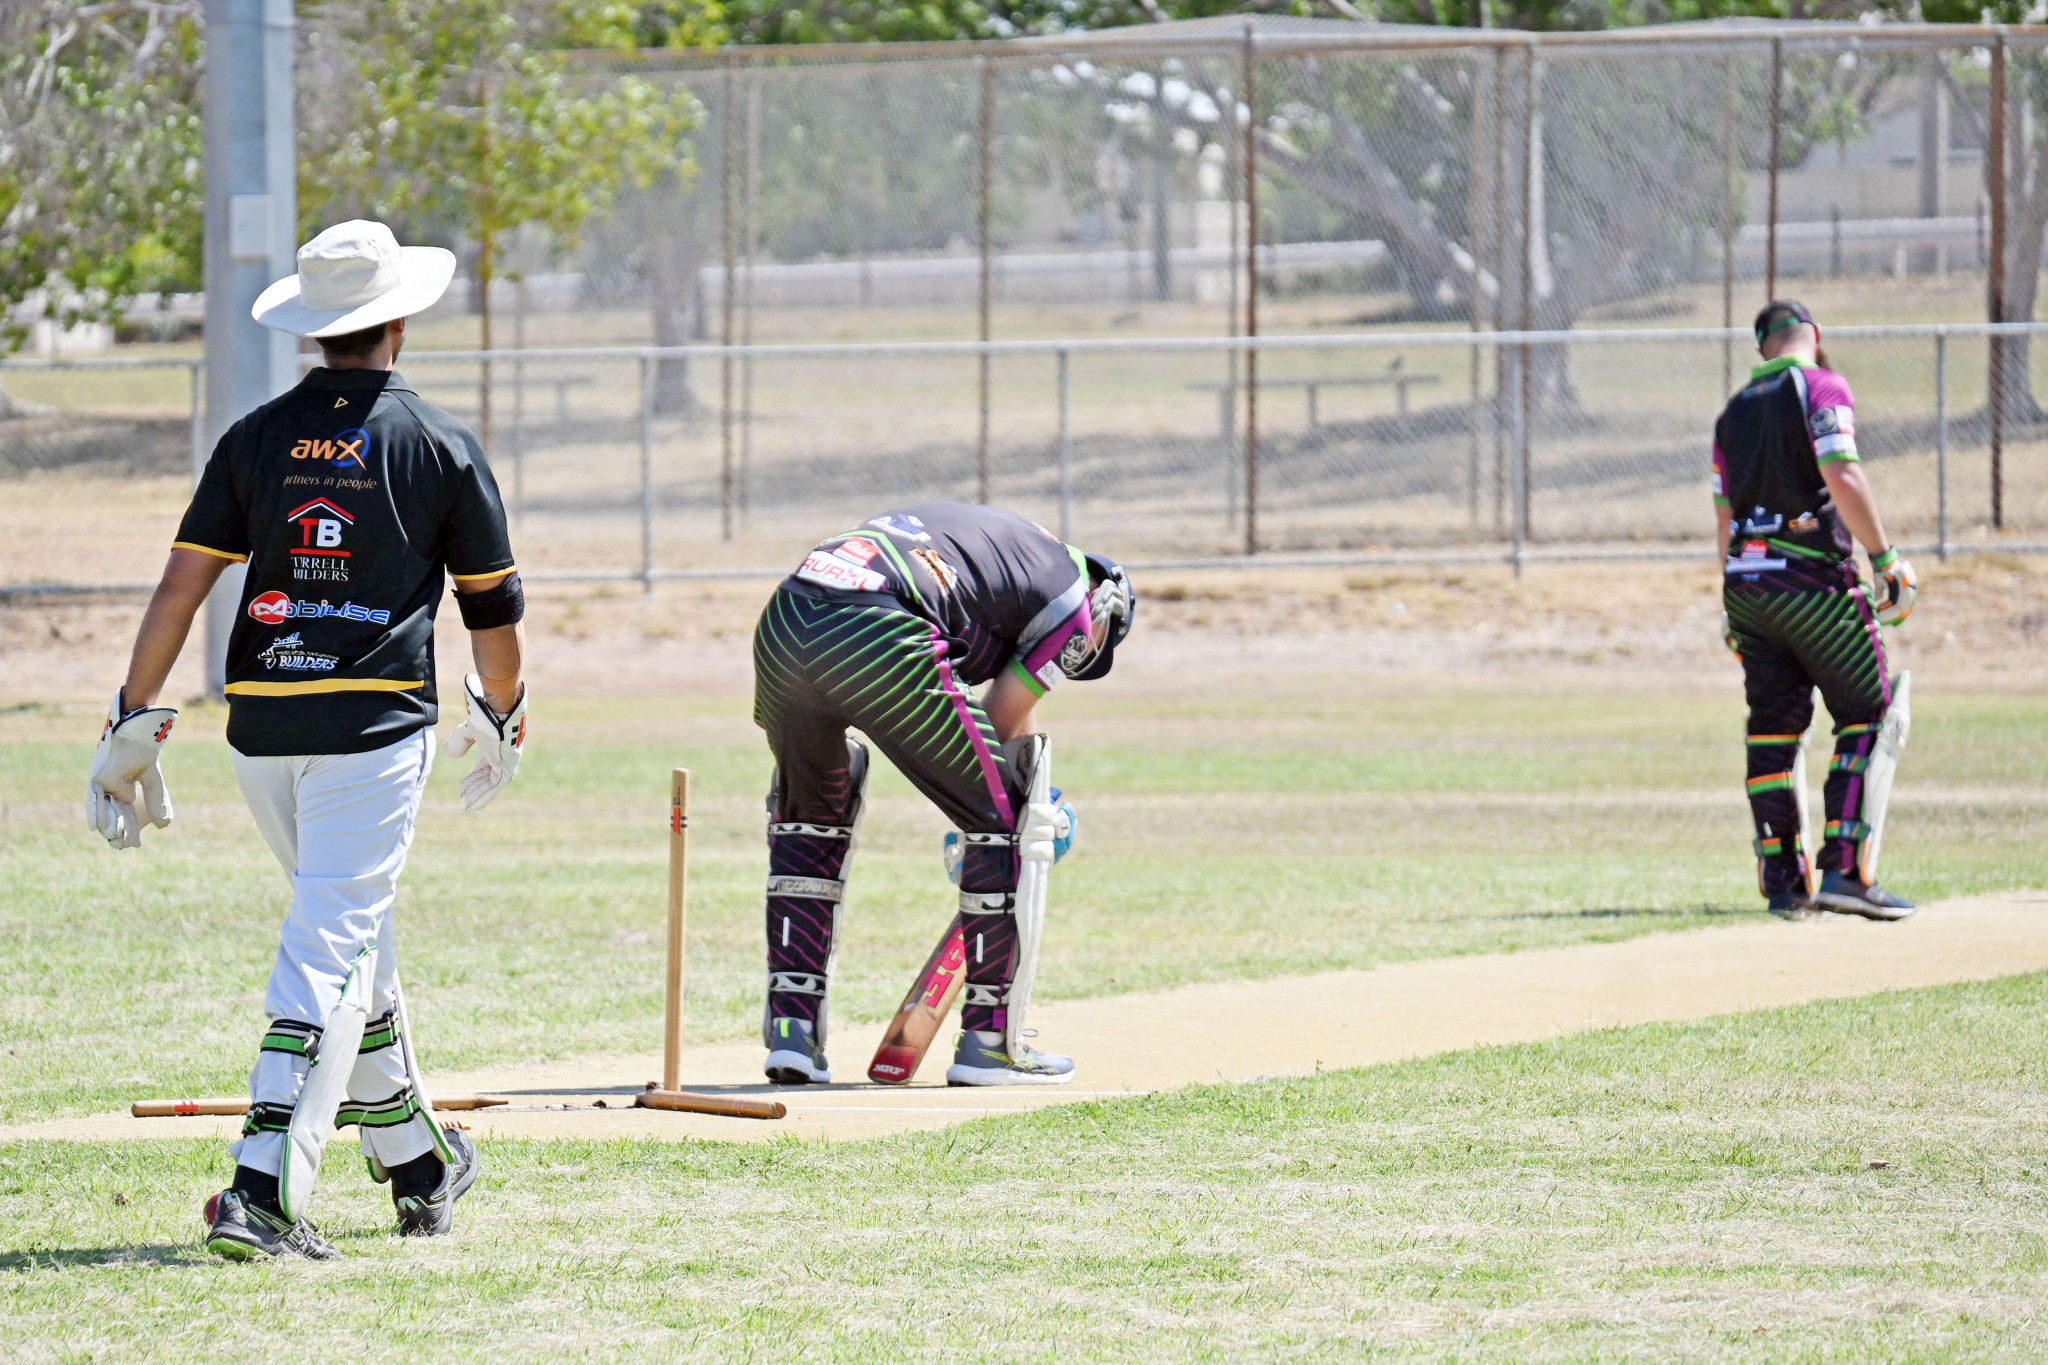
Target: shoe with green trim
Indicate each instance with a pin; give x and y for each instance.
(981, 1059)
(433, 1215)
(796, 1057)
(242, 1231)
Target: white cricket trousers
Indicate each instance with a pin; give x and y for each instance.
(342, 825)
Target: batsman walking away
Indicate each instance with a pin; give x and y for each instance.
(351, 499)
(1790, 494)
(884, 628)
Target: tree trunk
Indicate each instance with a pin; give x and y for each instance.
(2028, 220)
(673, 256)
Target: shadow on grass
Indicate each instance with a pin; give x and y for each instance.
(184, 1253)
(1672, 914)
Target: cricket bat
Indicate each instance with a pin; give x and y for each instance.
(923, 1012)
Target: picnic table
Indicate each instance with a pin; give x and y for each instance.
(1394, 377)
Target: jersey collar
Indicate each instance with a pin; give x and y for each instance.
(1779, 366)
(355, 381)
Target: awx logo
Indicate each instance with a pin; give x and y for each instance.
(275, 608)
(351, 447)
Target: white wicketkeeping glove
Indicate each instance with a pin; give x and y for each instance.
(1039, 831)
(127, 759)
(497, 740)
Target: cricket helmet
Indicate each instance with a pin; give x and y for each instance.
(1111, 607)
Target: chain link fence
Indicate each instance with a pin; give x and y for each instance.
(1195, 290)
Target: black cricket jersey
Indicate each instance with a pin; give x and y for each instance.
(349, 496)
(999, 589)
(1769, 445)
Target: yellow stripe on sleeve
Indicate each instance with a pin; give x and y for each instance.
(482, 577)
(301, 689)
(209, 550)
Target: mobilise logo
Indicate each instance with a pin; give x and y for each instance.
(351, 447)
(274, 608)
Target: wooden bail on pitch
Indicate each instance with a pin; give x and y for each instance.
(667, 1095)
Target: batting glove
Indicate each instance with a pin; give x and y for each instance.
(497, 740)
(1900, 587)
(126, 760)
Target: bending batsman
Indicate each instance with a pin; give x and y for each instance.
(885, 628)
(349, 497)
(1790, 493)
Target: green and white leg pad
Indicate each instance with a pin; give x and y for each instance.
(331, 1057)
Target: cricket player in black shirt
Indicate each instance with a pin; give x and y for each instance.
(350, 498)
(885, 628)
(1791, 503)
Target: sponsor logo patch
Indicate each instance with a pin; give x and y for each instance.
(318, 556)
(948, 576)
(830, 571)
(1805, 521)
(271, 608)
(289, 653)
(859, 550)
(910, 528)
(1762, 523)
(350, 447)
(274, 608)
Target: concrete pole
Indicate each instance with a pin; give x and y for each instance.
(252, 211)
(1934, 133)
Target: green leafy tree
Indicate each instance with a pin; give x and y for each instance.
(100, 158)
(464, 118)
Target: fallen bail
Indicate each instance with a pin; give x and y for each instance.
(331, 710)
(883, 629)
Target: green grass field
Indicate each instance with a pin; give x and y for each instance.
(1225, 839)
(1662, 1192)
(1699, 1192)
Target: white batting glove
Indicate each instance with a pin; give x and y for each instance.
(1898, 587)
(1039, 832)
(126, 760)
(497, 740)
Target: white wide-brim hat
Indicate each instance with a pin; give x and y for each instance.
(354, 275)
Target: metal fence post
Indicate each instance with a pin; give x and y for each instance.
(987, 192)
(1995, 170)
(1777, 149)
(1941, 438)
(1251, 300)
(647, 472)
(1066, 449)
(1728, 220)
(726, 233)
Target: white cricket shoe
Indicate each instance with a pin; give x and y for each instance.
(980, 1059)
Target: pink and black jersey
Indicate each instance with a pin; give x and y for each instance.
(1769, 445)
(1001, 590)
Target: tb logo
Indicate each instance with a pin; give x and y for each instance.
(319, 524)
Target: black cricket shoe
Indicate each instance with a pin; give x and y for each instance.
(1845, 895)
(1789, 904)
(430, 1212)
(243, 1230)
